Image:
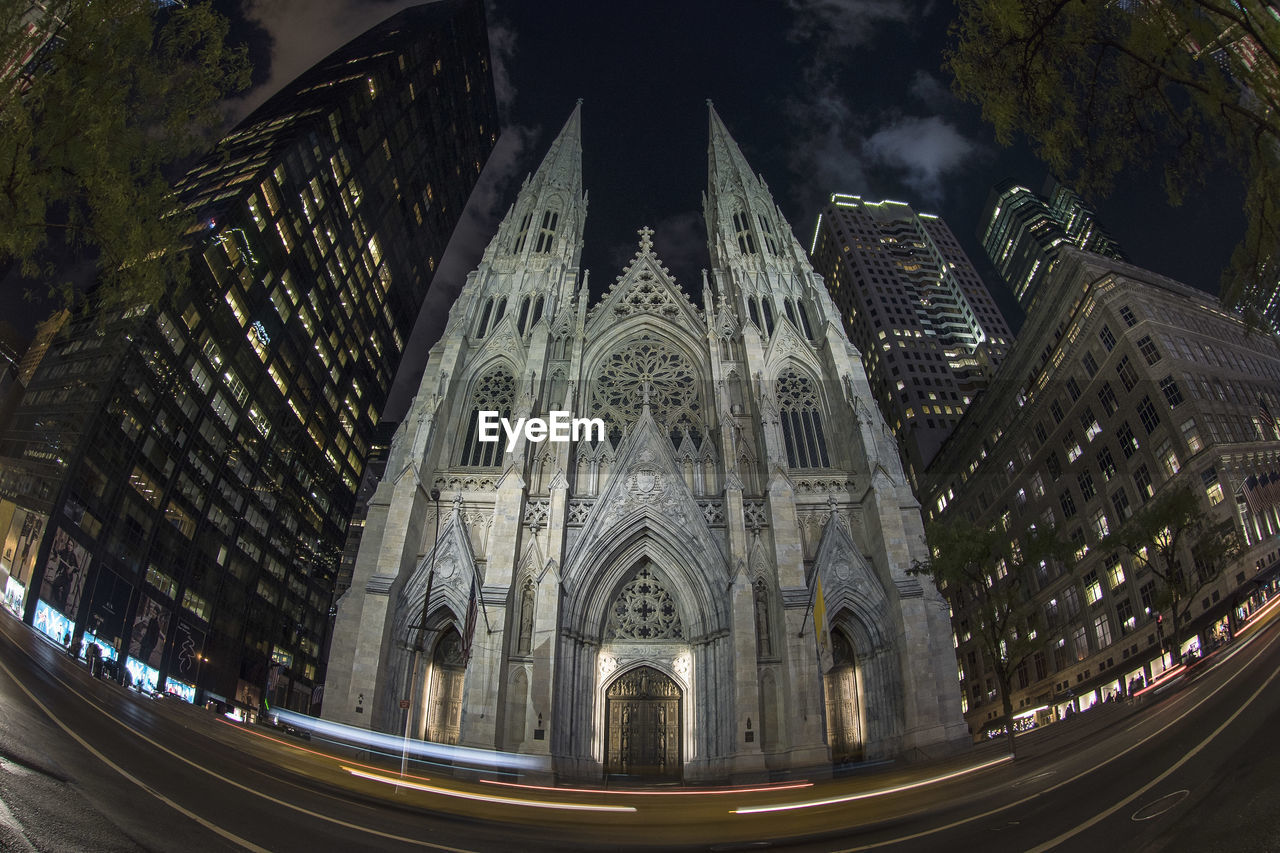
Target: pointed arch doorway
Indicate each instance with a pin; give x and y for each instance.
(444, 689)
(642, 714)
(844, 712)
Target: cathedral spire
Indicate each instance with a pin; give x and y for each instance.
(725, 160)
(562, 167)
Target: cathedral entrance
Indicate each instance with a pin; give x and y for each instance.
(642, 713)
(844, 725)
(444, 690)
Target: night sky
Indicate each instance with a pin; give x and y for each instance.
(822, 95)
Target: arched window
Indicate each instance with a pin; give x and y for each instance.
(493, 393)
(742, 228)
(804, 320)
(523, 234)
(523, 316)
(483, 325)
(499, 310)
(801, 421)
(754, 310)
(547, 232)
(791, 312)
(767, 230)
(768, 315)
(537, 313)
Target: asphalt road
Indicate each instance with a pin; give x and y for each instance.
(87, 765)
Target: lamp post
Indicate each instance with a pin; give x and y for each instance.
(419, 646)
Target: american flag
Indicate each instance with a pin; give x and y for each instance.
(1268, 422)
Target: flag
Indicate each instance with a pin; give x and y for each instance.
(317, 693)
(274, 677)
(820, 629)
(470, 631)
(1268, 421)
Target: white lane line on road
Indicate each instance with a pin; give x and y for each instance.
(935, 830)
(319, 816)
(229, 836)
(1103, 815)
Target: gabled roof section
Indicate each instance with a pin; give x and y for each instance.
(645, 286)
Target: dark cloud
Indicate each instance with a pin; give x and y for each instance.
(930, 91)
(680, 241)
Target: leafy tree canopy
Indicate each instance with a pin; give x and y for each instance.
(1102, 87)
(92, 124)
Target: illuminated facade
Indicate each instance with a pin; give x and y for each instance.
(928, 331)
(1022, 231)
(644, 604)
(193, 465)
(1122, 384)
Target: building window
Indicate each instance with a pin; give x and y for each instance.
(1126, 314)
(1168, 459)
(767, 230)
(1100, 526)
(1192, 436)
(1092, 588)
(1080, 640)
(1055, 409)
(1102, 629)
(1106, 464)
(1212, 488)
(1120, 501)
(1092, 429)
(1090, 365)
(1124, 613)
(1072, 445)
(1127, 374)
(1142, 480)
(1147, 347)
(1073, 388)
(1171, 393)
(1115, 571)
(1107, 397)
(1147, 412)
(801, 422)
(1128, 441)
(522, 234)
(1068, 503)
(1087, 489)
(495, 393)
(1107, 338)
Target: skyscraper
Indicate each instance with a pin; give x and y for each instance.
(1021, 232)
(638, 602)
(194, 463)
(928, 331)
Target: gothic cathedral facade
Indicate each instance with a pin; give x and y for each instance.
(716, 589)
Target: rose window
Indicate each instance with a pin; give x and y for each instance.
(644, 610)
(647, 368)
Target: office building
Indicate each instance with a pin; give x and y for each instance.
(193, 464)
(929, 334)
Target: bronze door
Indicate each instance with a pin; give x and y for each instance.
(444, 702)
(642, 710)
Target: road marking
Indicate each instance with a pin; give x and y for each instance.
(935, 830)
(234, 838)
(1160, 806)
(229, 836)
(1103, 815)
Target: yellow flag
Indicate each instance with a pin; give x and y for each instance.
(820, 626)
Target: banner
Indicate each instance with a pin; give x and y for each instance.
(21, 543)
(820, 628)
(108, 603)
(188, 648)
(150, 627)
(64, 574)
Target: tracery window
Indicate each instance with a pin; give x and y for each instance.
(742, 228)
(547, 232)
(523, 233)
(646, 367)
(490, 315)
(494, 393)
(801, 421)
(768, 315)
(644, 610)
(767, 230)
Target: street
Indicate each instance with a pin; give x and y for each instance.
(88, 765)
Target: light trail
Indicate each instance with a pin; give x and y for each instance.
(781, 786)
(416, 748)
(485, 798)
(865, 795)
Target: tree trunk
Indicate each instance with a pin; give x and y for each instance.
(1007, 702)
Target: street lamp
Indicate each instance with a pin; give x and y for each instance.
(419, 647)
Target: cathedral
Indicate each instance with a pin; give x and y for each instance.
(716, 588)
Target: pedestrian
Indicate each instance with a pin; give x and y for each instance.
(94, 656)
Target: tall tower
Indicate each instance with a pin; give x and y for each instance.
(197, 463)
(929, 333)
(1021, 232)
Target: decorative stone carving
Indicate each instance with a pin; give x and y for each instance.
(643, 610)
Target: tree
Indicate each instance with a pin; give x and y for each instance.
(92, 128)
(1103, 87)
(1168, 531)
(986, 574)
